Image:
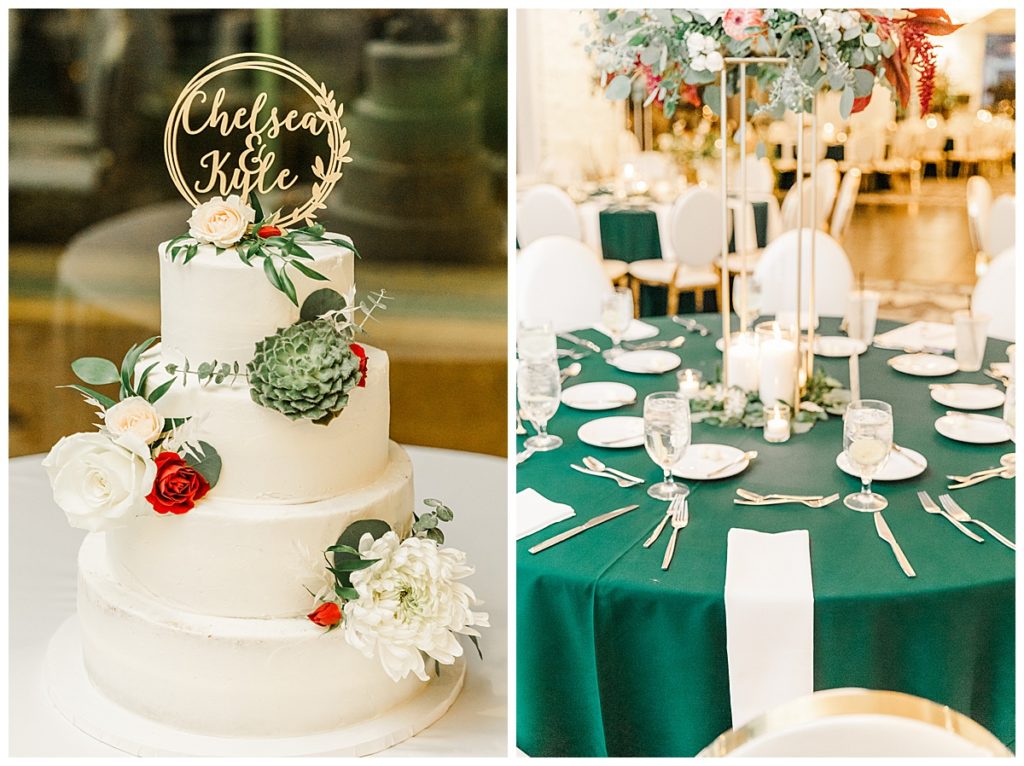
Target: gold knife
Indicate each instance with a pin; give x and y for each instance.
(587, 525)
(886, 534)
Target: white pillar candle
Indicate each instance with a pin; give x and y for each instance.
(743, 361)
(778, 365)
(854, 377)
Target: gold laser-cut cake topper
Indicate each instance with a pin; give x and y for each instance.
(252, 169)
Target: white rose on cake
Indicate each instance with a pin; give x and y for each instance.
(411, 603)
(135, 416)
(98, 482)
(221, 222)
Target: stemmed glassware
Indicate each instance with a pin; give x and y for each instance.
(540, 391)
(867, 442)
(616, 315)
(666, 437)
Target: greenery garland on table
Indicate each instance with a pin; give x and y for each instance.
(733, 407)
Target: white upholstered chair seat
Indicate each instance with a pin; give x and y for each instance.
(615, 269)
(687, 277)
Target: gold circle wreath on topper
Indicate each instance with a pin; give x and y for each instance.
(253, 167)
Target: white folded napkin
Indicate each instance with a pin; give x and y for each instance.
(769, 620)
(637, 330)
(534, 512)
(919, 335)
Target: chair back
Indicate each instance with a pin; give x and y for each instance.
(695, 227)
(864, 147)
(826, 183)
(760, 176)
(1000, 233)
(845, 202)
(562, 281)
(545, 211)
(858, 723)
(776, 274)
(979, 205)
(994, 295)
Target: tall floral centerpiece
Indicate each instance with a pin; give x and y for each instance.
(702, 56)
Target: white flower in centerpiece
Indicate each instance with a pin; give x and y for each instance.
(410, 603)
(221, 222)
(703, 52)
(98, 482)
(811, 13)
(735, 404)
(136, 416)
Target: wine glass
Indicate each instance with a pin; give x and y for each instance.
(867, 441)
(535, 341)
(616, 315)
(666, 437)
(540, 391)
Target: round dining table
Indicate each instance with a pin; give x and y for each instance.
(616, 657)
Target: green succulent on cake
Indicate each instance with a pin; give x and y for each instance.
(305, 371)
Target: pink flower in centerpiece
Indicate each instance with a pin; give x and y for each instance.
(738, 22)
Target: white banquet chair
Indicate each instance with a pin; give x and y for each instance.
(999, 235)
(826, 183)
(560, 280)
(760, 176)
(695, 231)
(979, 205)
(994, 295)
(776, 274)
(846, 200)
(858, 723)
(546, 211)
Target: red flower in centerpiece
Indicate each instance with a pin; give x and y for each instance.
(327, 615)
(361, 353)
(738, 23)
(177, 486)
(268, 231)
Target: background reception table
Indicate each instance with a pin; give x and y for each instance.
(616, 657)
(44, 563)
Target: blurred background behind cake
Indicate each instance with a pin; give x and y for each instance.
(90, 197)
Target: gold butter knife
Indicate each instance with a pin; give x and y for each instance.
(587, 525)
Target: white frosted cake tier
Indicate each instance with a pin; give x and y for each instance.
(268, 458)
(217, 307)
(225, 676)
(197, 561)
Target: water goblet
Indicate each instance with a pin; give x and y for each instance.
(540, 391)
(867, 442)
(666, 437)
(616, 315)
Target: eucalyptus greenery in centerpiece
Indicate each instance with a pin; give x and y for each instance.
(733, 407)
(232, 224)
(678, 54)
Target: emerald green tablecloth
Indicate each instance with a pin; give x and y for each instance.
(632, 234)
(616, 657)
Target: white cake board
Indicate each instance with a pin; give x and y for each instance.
(82, 704)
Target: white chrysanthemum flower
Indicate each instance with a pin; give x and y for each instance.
(411, 603)
(811, 13)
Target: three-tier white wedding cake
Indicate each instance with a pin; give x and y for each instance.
(254, 568)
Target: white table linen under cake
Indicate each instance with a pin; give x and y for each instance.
(43, 568)
(769, 620)
(534, 512)
(590, 213)
(919, 335)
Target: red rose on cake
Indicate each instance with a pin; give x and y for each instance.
(361, 353)
(265, 232)
(177, 486)
(327, 615)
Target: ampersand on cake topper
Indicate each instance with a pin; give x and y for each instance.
(252, 168)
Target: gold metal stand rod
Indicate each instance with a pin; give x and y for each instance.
(722, 116)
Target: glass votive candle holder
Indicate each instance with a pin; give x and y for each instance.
(777, 423)
(689, 383)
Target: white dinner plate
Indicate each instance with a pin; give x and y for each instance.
(899, 466)
(838, 345)
(973, 429)
(646, 362)
(701, 460)
(598, 396)
(926, 365)
(617, 432)
(967, 396)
